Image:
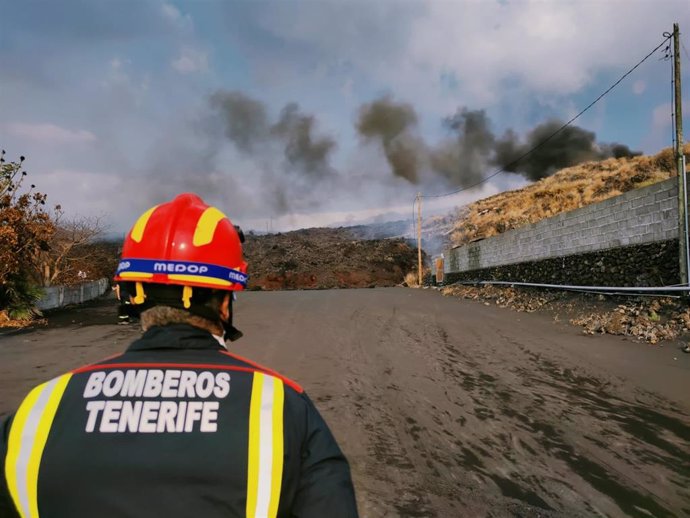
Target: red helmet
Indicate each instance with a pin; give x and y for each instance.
(183, 242)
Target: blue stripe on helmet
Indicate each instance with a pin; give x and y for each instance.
(154, 266)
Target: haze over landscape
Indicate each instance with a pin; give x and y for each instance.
(315, 113)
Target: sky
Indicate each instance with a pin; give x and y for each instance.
(288, 114)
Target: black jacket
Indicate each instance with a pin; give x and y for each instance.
(175, 426)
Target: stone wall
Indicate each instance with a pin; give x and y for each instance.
(59, 296)
(652, 264)
(628, 240)
(641, 216)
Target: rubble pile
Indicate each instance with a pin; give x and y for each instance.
(652, 320)
(322, 258)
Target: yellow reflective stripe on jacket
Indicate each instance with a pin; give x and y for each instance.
(277, 464)
(28, 437)
(265, 469)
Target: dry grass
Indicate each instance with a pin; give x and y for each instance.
(564, 191)
(7, 322)
(653, 320)
(411, 280)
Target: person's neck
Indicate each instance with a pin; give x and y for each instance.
(221, 340)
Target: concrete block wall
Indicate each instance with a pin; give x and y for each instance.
(637, 217)
(59, 296)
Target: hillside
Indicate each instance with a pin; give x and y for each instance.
(650, 319)
(321, 258)
(568, 189)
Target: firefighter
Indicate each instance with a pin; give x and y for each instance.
(126, 312)
(177, 425)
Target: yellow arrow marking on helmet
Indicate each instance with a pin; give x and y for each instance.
(137, 233)
(206, 226)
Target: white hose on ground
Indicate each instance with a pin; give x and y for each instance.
(640, 289)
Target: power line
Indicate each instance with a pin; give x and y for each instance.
(547, 139)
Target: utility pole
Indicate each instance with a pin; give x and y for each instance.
(682, 180)
(419, 237)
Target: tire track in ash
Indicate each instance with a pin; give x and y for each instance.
(629, 452)
(396, 397)
(409, 378)
(523, 432)
(436, 409)
(391, 428)
(487, 447)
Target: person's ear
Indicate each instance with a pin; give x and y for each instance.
(225, 308)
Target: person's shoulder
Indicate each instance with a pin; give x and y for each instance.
(225, 358)
(254, 366)
(40, 403)
(96, 365)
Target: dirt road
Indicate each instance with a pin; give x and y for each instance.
(447, 407)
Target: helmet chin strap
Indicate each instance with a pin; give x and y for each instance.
(231, 332)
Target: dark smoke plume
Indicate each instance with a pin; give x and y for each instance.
(245, 119)
(291, 161)
(474, 150)
(463, 160)
(246, 124)
(302, 149)
(286, 156)
(571, 146)
(392, 123)
(617, 150)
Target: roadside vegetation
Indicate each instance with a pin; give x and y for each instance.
(39, 247)
(25, 230)
(648, 319)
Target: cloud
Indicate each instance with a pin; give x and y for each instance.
(90, 193)
(111, 73)
(171, 12)
(660, 128)
(173, 15)
(116, 64)
(49, 133)
(327, 39)
(662, 116)
(482, 50)
(127, 86)
(190, 61)
(347, 87)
